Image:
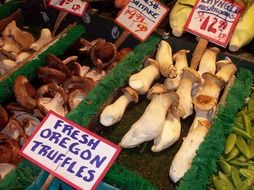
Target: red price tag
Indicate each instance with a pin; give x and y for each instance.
(214, 20)
(141, 17)
(76, 7)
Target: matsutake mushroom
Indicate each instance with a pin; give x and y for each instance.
(51, 97)
(113, 113)
(180, 59)
(142, 81)
(169, 135)
(24, 92)
(150, 124)
(44, 39)
(189, 77)
(165, 60)
(183, 158)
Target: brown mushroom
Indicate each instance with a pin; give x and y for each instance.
(24, 92)
(78, 83)
(76, 96)
(80, 70)
(55, 63)
(9, 150)
(5, 168)
(47, 75)
(4, 117)
(88, 45)
(51, 97)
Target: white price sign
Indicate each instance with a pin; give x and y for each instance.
(214, 20)
(141, 17)
(76, 7)
(73, 154)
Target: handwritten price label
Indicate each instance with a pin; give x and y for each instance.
(214, 20)
(141, 17)
(76, 7)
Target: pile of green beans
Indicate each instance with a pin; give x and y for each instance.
(236, 165)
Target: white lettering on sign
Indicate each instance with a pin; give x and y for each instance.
(214, 20)
(141, 17)
(69, 152)
(76, 7)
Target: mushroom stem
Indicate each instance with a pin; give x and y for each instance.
(190, 76)
(164, 58)
(183, 158)
(44, 39)
(169, 135)
(208, 60)
(181, 61)
(114, 112)
(142, 81)
(150, 124)
(226, 69)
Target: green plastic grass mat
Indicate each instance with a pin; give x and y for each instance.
(204, 163)
(115, 79)
(7, 8)
(30, 69)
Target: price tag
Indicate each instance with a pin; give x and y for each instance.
(141, 17)
(76, 7)
(214, 20)
(73, 154)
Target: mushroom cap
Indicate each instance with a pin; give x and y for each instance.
(156, 89)
(214, 78)
(180, 52)
(132, 93)
(4, 117)
(54, 62)
(50, 90)
(204, 102)
(24, 92)
(78, 82)
(75, 96)
(222, 63)
(151, 61)
(192, 74)
(47, 75)
(214, 49)
(24, 39)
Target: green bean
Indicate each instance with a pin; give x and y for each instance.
(247, 123)
(246, 172)
(242, 158)
(235, 177)
(251, 168)
(233, 154)
(220, 184)
(230, 143)
(242, 133)
(243, 147)
(225, 167)
(226, 180)
(239, 163)
(246, 185)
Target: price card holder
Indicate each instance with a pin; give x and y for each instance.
(141, 17)
(73, 154)
(214, 20)
(76, 7)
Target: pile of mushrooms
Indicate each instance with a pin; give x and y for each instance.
(185, 92)
(65, 83)
(17, 45)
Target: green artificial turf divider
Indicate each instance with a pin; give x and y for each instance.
(7, 8)
(30, 69)
(204, 163)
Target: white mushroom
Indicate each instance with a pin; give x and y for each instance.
(169, 135)
(165, 60)
(207, 97)
(6, 65)
(22, 57)
(11, 49)
(183, 158)
(208, 60)
(5, 168)
(142, 81)
(150, 124)
(113, 113)
(44, 39)
(180, 59)
(190, 76)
